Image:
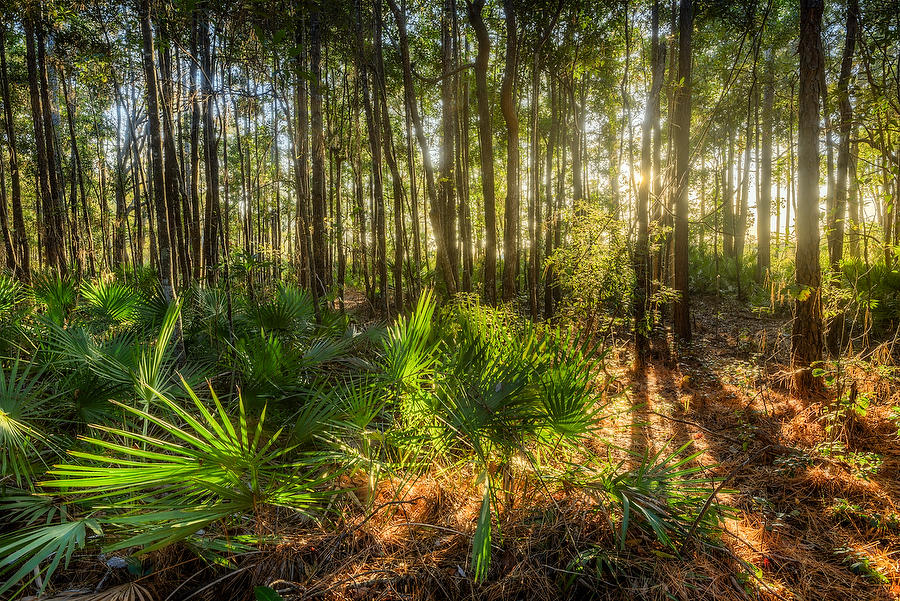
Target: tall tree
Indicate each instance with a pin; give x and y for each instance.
(681, 122)
(317, 196)
(445, 269)
(151, 91)
(642, 244)
(486, 148)
(212, 222)
(764, 201)
(845, 123)
(806, 337)
(507, 105)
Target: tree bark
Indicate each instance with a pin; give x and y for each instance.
(163, 242)
(642, 244)
(317, 193)
(806, 338)
(836, 219)
(682, 122)
(764, 202)
(213, 212)
(445, 269)
(486, 149)
(507, 105)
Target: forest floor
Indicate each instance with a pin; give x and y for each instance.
(807, 525)
(815, 524)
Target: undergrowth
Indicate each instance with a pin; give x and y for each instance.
(130, 424)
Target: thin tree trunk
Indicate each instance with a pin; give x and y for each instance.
(642, 244)
(682, 122)
(806, 339)
(507, 105)
(836, 228)
(764, 201)
(486, 149)
(317, 195)
(213, 211)
(163, 242)
(409, 97)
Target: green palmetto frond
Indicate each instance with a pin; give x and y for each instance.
(121, 361)
(56, 294)
(290, 310)
(569, 368)
(23, 403)
(112, 301)
(663, 491)
(409, 353)
(50, 545)
(191, 475)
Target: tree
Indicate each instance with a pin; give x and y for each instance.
(319, 271)
(806, 337)
(445, 270)
(764, 202)
(845, 123)
(681, 122)
(511, 208)
(163, 237)
(642, 249)
(486, 148)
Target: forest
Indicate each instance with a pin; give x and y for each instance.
(445, 299)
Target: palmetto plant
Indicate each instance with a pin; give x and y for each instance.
(24, 404)
(151, 489)
(56, 294)
(111, 301)
(143, 369)
(479, 389)
(663, 493)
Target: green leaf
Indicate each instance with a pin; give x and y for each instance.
(264, 593)
(481, 543)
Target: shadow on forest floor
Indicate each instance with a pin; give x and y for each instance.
(811, 524)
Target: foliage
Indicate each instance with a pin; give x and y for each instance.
(153, 462)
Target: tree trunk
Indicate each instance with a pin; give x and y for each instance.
(507, 105)
(317, 192)
(213, 211)
(486, 149)
(163, 238)
(764, 202)
(396, 180)
(196, 113)
(548, 226)
(446, 185)
(681, 121)
(445, 269)
(642, 325)
(806, 338)
(836, 221)
(853, 204)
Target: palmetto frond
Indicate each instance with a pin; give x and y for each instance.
(56, 294)
(111, 301)
(200, 468)
(23, 404)
(49, 545)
